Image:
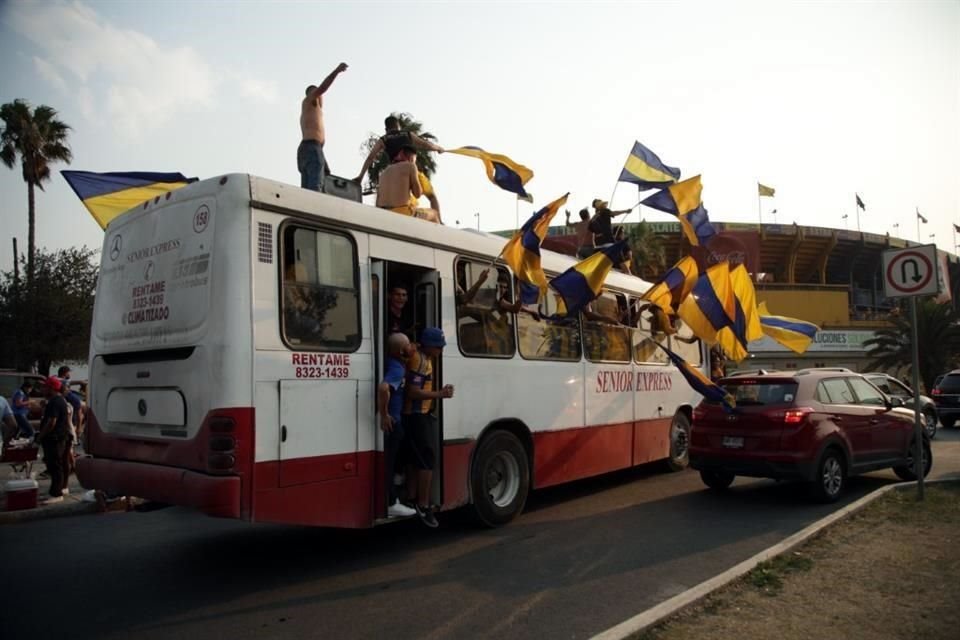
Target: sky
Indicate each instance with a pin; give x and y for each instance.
(819, 100)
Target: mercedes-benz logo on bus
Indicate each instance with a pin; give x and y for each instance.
(115, 248)
(142, 407)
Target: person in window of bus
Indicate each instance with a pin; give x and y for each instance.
(585, 247)
(389, 406)
(310, 160)
(54, 428)
(419, 424)
(393, 142)
(400, 187)
(602, 222)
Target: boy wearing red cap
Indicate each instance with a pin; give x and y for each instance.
(54, 428)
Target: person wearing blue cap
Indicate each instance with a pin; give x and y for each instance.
(420, 424)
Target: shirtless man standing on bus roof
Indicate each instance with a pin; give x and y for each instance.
(310, 160)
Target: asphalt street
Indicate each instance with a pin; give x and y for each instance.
(582, 558)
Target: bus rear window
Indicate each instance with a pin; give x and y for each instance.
(320, 304)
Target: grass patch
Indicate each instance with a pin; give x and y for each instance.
(767, 577)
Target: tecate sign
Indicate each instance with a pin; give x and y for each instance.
(847, 341)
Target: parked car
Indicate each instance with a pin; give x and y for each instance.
(947, 396)
(820, 426)
(11, 380)
(893, 387)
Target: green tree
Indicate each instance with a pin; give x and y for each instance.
(649, 255)
(425, 160)
(38, 139)
(938, 332)
(51, 322)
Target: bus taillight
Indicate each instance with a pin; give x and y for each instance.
(222, 445)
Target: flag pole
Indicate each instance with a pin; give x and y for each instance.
(759, 214)
(918, 225)
(856, 207)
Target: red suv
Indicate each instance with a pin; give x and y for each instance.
(816, 425)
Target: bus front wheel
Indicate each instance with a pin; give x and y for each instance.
(499, 479)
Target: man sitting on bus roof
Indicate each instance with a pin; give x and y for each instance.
(400, 187)
(419, 424)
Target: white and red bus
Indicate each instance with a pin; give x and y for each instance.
(238, 340)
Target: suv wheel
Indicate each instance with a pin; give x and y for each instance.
(716, 479)
(907, 470)
(930, 422)
(831, 476)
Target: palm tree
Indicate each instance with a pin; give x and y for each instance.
(649, 256)
(39, 139)
(938, 332)
(425, 161)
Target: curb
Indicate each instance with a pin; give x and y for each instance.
(667, 608)
(28, 515)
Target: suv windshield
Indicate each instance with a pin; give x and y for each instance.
(950, 384)
(758, 392)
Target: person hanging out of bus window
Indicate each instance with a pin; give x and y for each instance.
(400, 187)
(392, 142)
(310, 160)
(389, 406)
(585, 247)
(420, 425)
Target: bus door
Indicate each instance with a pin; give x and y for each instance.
(426, 299)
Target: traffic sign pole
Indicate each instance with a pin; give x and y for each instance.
(917, 431)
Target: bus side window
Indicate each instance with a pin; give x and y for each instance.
(646, 336)
(484, 322)
(320, 305)
(686, 345)
(547, 337)
(605, 339)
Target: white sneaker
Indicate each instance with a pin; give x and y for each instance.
(397, 510)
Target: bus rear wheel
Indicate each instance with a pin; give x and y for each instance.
(499, 479)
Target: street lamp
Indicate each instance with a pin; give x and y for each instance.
(477, 216)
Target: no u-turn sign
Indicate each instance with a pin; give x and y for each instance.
(910, 272)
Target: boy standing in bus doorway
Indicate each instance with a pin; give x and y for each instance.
(389, 406)
(310, 161)
(420, 424)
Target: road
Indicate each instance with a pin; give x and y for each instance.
(581, 559)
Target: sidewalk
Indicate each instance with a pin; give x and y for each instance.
(72, 504)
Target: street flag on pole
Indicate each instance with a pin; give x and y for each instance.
(860, 202)
(922, 219)
(764, 191)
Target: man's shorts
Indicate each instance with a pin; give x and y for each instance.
(422, 432)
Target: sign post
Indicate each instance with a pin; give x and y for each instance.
(909, 273)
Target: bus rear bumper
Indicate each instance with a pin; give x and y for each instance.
(215, 495)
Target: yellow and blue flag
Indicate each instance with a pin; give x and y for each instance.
(746, 320)
(582, 283)
(711, 305)
(502, 171)
(794, 334)
(644, 169)
(699, 382)
(674, 286)
(107, 195)
(683, 200)
(677, 199)
(522, 252)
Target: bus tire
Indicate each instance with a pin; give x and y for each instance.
(679, 442)
(499, 479)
